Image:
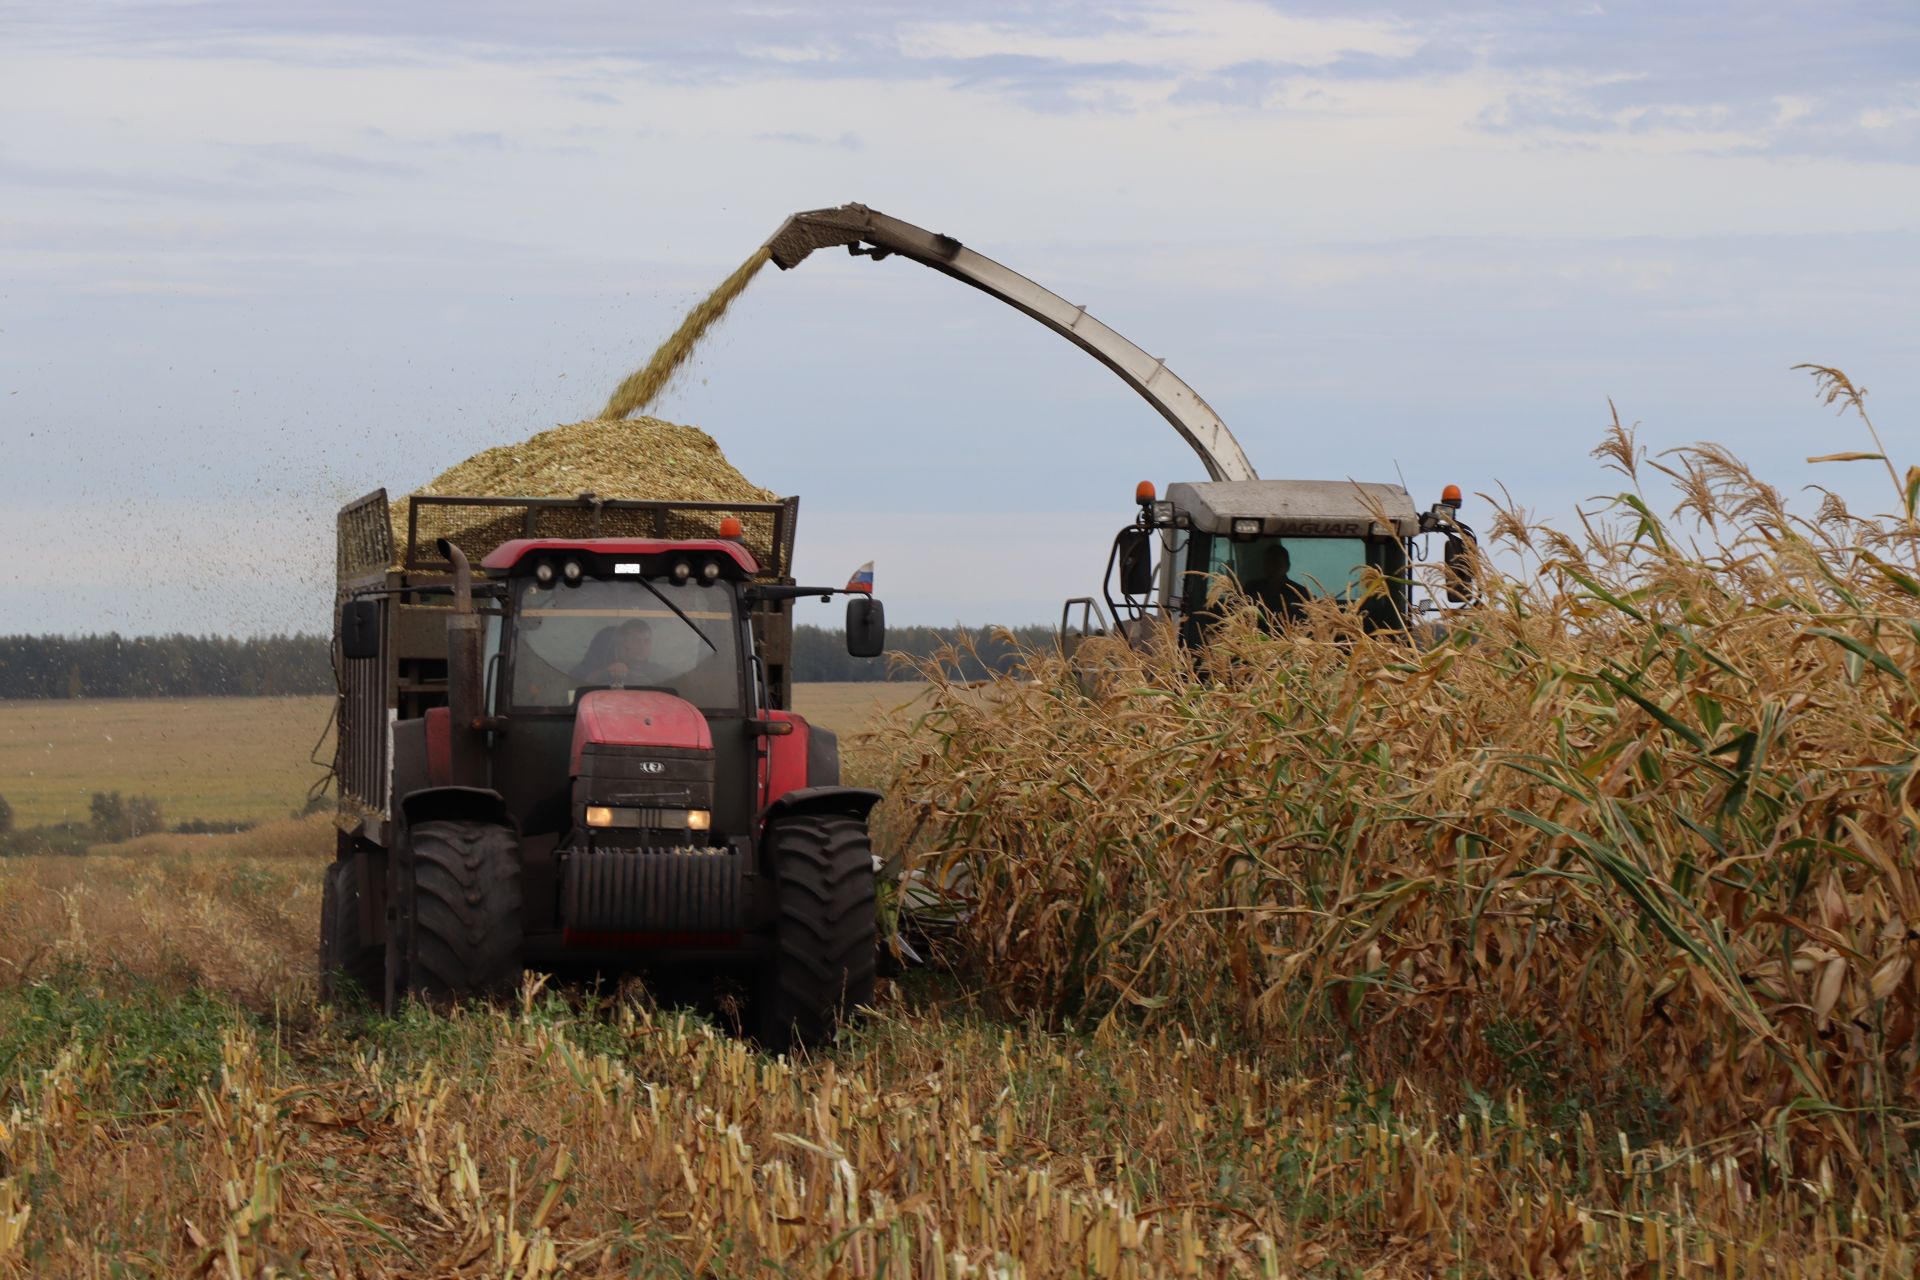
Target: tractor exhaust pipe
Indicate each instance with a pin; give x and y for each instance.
(466, 696)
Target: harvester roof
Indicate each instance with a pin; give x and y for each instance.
(1305, 508)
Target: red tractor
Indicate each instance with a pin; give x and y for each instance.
(564, 743)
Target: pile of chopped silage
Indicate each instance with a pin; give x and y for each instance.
(639, 458)
(644, 458)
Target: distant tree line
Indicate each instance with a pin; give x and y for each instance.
(184, 666)
(176, 666)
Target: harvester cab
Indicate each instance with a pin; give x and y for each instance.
(572, 750)
(1280, 543)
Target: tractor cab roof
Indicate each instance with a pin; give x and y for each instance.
(505, 557)
(1299, 508)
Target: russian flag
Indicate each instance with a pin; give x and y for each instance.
(862, 579)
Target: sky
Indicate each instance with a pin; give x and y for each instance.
(259, 259)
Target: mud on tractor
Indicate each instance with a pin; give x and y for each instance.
(564, 742)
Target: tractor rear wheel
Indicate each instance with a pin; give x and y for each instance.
(825, 939)
(459, 933)
(346, 965)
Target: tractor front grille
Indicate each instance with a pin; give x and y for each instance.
(655, 890)
(645, 777)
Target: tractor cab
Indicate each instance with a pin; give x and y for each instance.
(619, 614)
(1279, 543)
(613, 648)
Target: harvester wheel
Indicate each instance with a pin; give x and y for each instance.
(825, 938)
(459, 933)
(345, 964)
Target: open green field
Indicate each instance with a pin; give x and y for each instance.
(218, 759)
(234, 759)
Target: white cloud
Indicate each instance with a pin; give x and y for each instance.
(1891, 116)
(1196, 35)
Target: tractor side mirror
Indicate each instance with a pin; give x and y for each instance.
(1135, 548)
(360, 629)
(1458, 570)
(866, 627)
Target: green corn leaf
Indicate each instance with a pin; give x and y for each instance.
(1629, 878)
(1649, 523)
(1861, 649)
(1673, 725)
(1905, 582)
(1599, 592)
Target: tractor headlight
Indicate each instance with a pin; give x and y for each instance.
(604, 817)
(572, 573)
(710, 570)
(1246, 527)
(682, 571)
(543, 573)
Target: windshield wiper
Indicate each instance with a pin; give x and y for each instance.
(680, 614)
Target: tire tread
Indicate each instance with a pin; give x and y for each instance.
(825, 946)
(466, 936)
(345, 964)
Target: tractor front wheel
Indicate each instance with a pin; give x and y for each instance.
(458, 933)
(825, 931)
(345, 963)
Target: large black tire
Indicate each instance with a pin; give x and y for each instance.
(825, 931)
(348, 969)
(459, 933)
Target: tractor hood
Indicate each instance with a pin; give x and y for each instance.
(638, 718)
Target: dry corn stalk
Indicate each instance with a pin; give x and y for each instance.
(1643, 828)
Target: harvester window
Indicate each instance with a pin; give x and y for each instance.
(1321, 566)
(616, 634)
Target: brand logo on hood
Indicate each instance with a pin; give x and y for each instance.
(652, 766)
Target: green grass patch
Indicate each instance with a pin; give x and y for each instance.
(146, 1048)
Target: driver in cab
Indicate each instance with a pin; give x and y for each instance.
(1278, 595)
(622, 655)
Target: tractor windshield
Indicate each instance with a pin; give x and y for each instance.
(614, 634)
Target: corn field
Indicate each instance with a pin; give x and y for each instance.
(1636, 835)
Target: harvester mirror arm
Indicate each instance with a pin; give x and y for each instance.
(874, 234)
(1460, 552)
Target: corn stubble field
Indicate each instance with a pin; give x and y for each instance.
(1578, 943)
